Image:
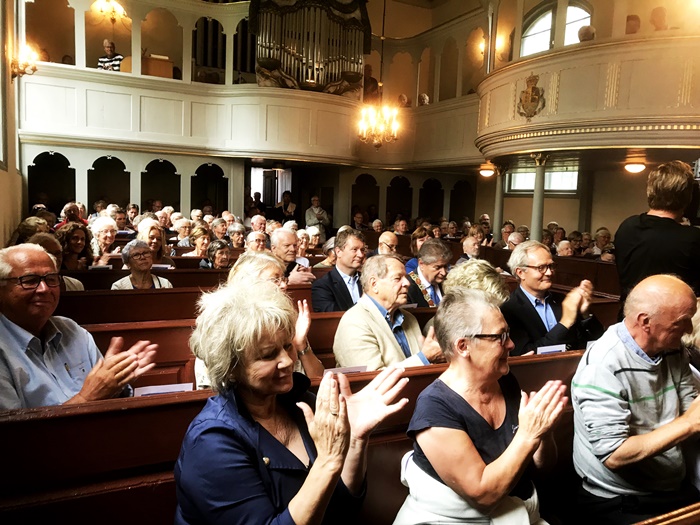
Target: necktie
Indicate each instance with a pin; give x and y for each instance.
(434, 296)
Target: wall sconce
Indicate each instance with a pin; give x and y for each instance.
(486, 172)
(25, 63)
(635, 167)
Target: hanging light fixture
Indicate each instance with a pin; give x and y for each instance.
(25, 63)
(379, 123)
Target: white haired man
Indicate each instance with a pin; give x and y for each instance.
(376, 332)
(284, 243)
(46, 360)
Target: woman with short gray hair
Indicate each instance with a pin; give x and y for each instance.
(476, 408)
(257, 453)
(138, 258)
(236, 232)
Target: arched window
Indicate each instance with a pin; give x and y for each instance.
(538, 33)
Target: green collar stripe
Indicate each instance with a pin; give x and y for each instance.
(599, 389)
(617, 396)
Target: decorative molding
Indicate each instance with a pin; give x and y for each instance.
(554, 81)
(539, 158)
(686, 83)
(612, 85)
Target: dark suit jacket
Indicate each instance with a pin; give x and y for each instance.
(330, 294)
(528, 332)
(416, 296)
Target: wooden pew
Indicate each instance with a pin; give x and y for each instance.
(103, 279)
(174, 359)
(114, 458)
(686, 516)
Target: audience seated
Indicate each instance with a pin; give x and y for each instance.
(183, 227)
(255, 241)
(104, 231)
(340, 288)
(433, 262)
(236, 235)
(153, 233)
(27, 228)
(418, 237)
(635, 403)
(218, 256)
(470, 247)
(138, 258)
(75, 239)
(328, 250)
(303, 245)
(257, 453)
(49, 360)
(314, 236)
(478, 438)
(376, 332)
(535, 318)
(199, 240)
(283, 243)
(49, 243)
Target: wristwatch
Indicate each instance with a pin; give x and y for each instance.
(302, 353)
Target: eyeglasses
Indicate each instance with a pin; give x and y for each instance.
(32, 282)
(502, 338)
(392, 247)
(141, 255)
(278, 280)
(542, 268)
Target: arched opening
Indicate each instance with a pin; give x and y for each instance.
(43, 17)
(161, 43)
(399, 199)
(505, 33)
(462, 201)
(209, 51)
(243, 54)
(50, 181)
(209, 187)
(160, 181)
(365, 196)
(539, 26)
(107, 23)
(108, 180)
(448, 70)
(473, 61)
(431, 198)
(401, 74)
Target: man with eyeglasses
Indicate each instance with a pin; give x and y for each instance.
(536, 319)
(433, 264)
(388, 243)
(339, 290)
(46, 360)
(255, 242)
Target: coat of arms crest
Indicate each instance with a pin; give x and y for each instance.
(531, 100)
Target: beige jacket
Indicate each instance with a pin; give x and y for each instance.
(363, 337)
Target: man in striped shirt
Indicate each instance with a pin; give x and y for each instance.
(112, 60)
(634, 404)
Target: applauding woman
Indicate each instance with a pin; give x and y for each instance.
(75, 241)
(477, 436)
(138, 258)
(258, 452)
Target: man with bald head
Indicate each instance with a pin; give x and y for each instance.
(388, 243)
(634, 404)
(47, 360)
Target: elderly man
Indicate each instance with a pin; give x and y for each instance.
(196, 214)
(634, 404)
(656, 241)
(47, 360)
(433, 263)
(514, 239)
(317, 216)
(564, 249)
(470, 247)
(388, 243)
(112, 60)
(284, 243)
(340, 289)
(401, 227)
(375, 332)
(507, 228)
(255, 242)
(258, 223)
(535, 318)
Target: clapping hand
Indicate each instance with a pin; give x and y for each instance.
(539, 411)
(302, 326)
(374, 403)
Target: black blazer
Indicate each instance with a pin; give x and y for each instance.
(330, 294)
(528, 332)
(415, 295)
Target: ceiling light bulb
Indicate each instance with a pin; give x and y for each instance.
(635, 167)
(486, 172)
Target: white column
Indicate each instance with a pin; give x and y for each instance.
(446, 200)
(136, 42)
(343, 198)
(187, 28)
(230, 34)
(492, 36)
(517, 38)
(460, 66)
(236, 187)
(538, 197)
(416, 87)
(415, 201)
(382, 201)
(620, 11)
(498, 199)
(560, 23)
(135, 185)
(186, 175)
(79, 9)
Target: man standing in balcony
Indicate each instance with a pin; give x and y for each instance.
(112, 60)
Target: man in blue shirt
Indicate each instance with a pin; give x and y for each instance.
(537, 319)
(340, 289)
(46, 360)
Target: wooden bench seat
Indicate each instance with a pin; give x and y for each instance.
(114, 458)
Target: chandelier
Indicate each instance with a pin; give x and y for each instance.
(378, 125)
